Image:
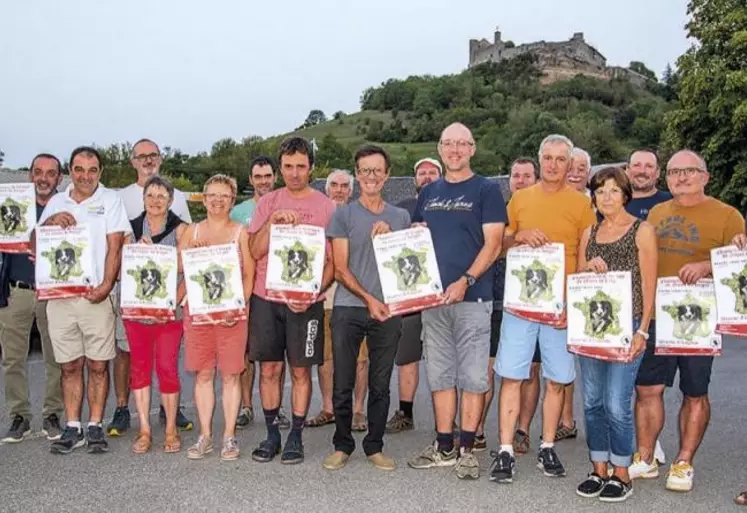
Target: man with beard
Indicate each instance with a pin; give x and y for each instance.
(18, 308)
(146, 159)
(339, 188)
(410, 346)
(643, 171)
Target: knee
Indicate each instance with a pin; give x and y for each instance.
(649, 395)
(510, 385)
(300, 374)
(554, 388)
(98, 369)
(73, 368)
(700, 401)
(270, 371)
(204, 377)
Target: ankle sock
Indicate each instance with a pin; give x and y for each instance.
(273, 432)
(466, 440)
(406, 408)
(445, 442)
(547, 445)
(97, 424)
(74, 424)
(507, 448)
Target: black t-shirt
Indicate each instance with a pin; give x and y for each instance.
(640, 207)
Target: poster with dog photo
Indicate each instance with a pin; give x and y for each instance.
(600, 315)
(295, 263)
(686, 318)
(148, 282)
(17, 216)
(215, 287)
(64, 262)
(408, 271)
(535, 282)
(729, 265)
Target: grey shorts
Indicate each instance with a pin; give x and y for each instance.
(456, 346)
(119, 332)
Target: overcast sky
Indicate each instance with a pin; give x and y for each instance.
(187, 73)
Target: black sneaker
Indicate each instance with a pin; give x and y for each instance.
(592, 486)
(51, 427)
(71, 439)
(293, 451)
(97, 443)
(503, 467)
(615, 490)
(19, 429)
(245, 417)
(282, 421)
(549, 462)
(481, 443)
(120, 422)
(182, 422)
(266, 451)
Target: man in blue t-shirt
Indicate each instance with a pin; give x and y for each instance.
(643, 171)
(466, 224)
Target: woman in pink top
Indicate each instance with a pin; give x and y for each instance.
(220, 345)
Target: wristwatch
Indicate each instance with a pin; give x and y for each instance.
(470, 279)
(642, 333)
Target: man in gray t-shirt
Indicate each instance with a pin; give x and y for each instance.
(358, 310)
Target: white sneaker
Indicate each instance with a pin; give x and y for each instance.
(640, 469)
(659, 454)
(680, 477)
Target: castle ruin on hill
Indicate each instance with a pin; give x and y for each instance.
(557, 60)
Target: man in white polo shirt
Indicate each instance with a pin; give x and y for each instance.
(146, 159)
(82, 328)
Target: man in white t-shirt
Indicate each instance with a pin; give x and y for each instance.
(82, 328)
(146, 159)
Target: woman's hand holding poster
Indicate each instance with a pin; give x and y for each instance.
(535, 281)
(64, 262)
(600, 315)
(686, 318)
(295, 263)
(215, 288)
(408, 271)
(148, 282)
(729, 265)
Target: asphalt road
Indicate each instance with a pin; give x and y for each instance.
(32, 479)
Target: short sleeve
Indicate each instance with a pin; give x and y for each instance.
(406, 222)
(511, 209)
(337, 228)
(493, 207)
(180, 207)
(117, 220)
(588, 217)
(261, 214)
(734, 225)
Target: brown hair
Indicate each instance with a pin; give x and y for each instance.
(618, 176)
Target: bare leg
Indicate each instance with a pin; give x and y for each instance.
(170, 403)
(552, 406)
(205, 400)
(649, 418)
(509, 403)
(122, 378)
(72, 389)
(409, 376)
(695, 413)
(142, 404)
(231, 402)
(567, 416)
(326, 376)
(361, 387)
(247, 384)
(98, 389)
(488, 397)
(472, 406)
(301, 392)
(530, 392)
(270, 384)
(445, 407)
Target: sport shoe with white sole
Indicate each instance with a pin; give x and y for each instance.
(432, 457)
(467, 466)
(680, 477)
(641, 469)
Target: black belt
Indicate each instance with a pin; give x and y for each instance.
(21, 285)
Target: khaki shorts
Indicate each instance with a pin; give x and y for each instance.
(79, 328)
(362, 354)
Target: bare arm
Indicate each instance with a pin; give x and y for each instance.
(647, 260)
(340, 252)
(328, 276)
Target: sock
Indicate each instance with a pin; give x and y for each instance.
(273, 432)
(97, 424)
(406, 408)
(466, 440)
(507, 448)
(445, 442)
(297, 425)
(74, 423)
(546, 445)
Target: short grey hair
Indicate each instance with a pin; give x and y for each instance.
(343, 172)
(556, 139)
(578, 152)
(159, 181)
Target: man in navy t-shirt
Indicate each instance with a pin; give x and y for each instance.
(466, 220)
(643, 171)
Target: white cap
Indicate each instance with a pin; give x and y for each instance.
(430, 160)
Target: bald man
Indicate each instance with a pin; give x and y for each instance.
(466, 224)
(688, 226)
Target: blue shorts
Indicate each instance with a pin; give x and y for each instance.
(519, 339)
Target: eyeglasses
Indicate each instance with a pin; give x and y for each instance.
(684, 171)
(146, 156)
(457, 144)
(221, 196)
(378, 171)
(157, 197)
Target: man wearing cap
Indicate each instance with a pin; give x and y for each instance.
(410, 348)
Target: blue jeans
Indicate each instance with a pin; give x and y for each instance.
(608, 411)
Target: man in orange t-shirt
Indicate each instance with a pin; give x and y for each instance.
(688, 227)
(548, 212)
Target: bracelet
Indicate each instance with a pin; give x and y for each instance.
(642, 333)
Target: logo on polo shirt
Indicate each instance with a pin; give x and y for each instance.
(96, 210)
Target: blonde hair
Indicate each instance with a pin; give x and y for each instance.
(221, 179)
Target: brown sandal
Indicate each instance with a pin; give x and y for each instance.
(322, 419)
(172, 443)
(360, 423)
(741, 499)
(143, 443)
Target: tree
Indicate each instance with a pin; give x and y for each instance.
(711, 112)
(2, 158)
(641, 69)
(315, 117)
(338, 115)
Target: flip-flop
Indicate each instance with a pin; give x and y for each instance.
(322, 419)
(143, 443)
(172, 443)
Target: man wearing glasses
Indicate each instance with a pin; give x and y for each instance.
(466, 224)
(146, 159)
(688, 227)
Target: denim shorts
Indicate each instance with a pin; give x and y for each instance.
(519, 339)
(456, 345)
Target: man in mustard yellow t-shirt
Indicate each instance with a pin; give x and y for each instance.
(549, 212)
(688, 227)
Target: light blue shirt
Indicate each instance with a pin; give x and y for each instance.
(243, 212)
